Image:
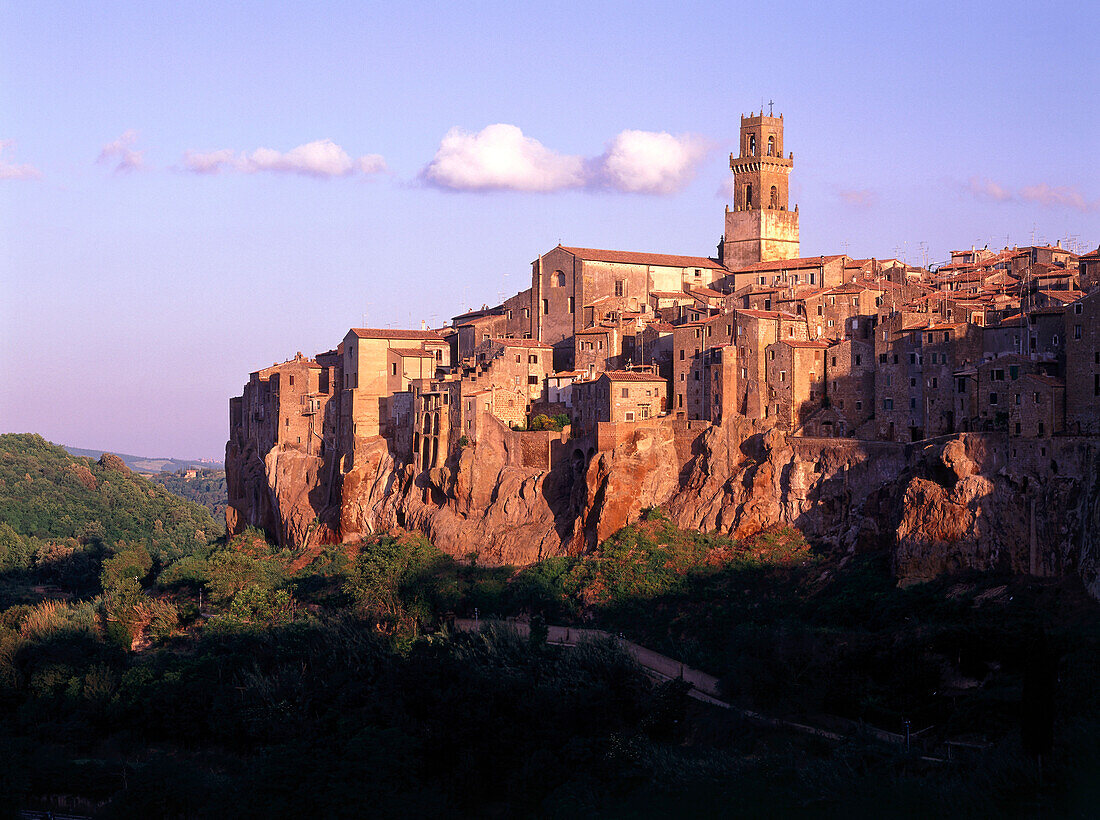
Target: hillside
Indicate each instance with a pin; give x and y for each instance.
(148, 464)
(206, 487)
(61, 516)
(323, 686)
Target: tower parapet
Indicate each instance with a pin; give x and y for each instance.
(760, 226)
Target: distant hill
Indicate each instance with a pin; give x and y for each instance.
(206, 487)
(145, 464)
(62, 515)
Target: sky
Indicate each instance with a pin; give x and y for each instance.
(192, 191)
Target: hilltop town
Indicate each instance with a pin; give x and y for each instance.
(829, 347)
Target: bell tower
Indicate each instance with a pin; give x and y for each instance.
(760, 226)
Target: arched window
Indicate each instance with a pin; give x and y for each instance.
(771, 146)
(775, 197)
(748, 196)
(752, 145)
(559, 279)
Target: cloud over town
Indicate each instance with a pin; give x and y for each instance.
(320, 158)
(12, 170)
(501, 157)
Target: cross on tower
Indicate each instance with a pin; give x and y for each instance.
(770, 104)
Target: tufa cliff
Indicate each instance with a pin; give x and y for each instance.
(978, 501)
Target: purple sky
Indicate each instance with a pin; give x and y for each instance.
(189, 192)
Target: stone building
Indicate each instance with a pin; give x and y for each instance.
(1088, 271)
(369, 367)
(1083, 366)
(1037, 409)
(567, 279)
(617, 396)
(850, 382)
(796, 381)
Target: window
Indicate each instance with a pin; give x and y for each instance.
(992, 398)
(771, 148)
(696, 375)
(859, 360)
(889, 380)
(292, 377)
(962, 385)
(834, 361)
(1077, 309)
(775, 197)
(1014, 372)
(912, 404)
(752, 145)
(644, 411)
(533, 358)
(935, 383)
(620, 287)
(1042, 429)
(782, 375)
(998, 376)
(527, 313)
(1017, 430)
(545, 306)
(681, 354)
(912, 382)
(859, 405)
(1016, 398)
(559, 279)
(1076, 334)
(912, 358)
(882, 358)
(626, 393)
(745, 375)
(1036, 398)
(748, 197)
(679, 399)
(393, 369)
(887, 404)
(519, 358)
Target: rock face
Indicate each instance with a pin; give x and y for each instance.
(976, 501)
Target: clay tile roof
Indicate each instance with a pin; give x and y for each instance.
(661, 327)
(768, 314)
(1063, 295)
(412, 352)
(797, 343)
(390, 333)
(635, 258)
(524, 343)
(565, 374)
(789, 264)
(632, 376)
(1047, 380)
(670, 294)
(710, 293)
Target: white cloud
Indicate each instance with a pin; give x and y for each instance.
(988, 189)
(122, 151)
(9, 170)
(649, 162)
(1049, 196)
(859, 197)
(500, 157)
(320, 158)
(1058, 197)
